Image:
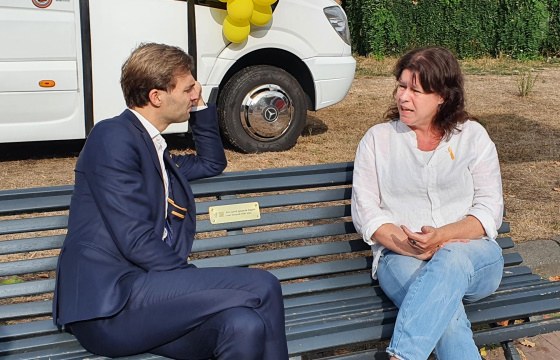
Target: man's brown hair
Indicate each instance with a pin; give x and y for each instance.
(152, 66)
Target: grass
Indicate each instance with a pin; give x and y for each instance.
(526, 82)
(370, 66)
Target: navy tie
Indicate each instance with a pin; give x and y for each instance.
(168, 227)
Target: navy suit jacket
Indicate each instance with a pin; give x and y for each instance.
(117, 213)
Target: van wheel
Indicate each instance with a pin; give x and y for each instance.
(262, 108)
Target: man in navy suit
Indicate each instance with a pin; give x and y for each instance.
(124, 284)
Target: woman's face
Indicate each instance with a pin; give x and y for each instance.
(417, 109)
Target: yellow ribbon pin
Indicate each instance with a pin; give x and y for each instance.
(451, 153)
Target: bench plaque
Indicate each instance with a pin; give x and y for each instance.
(235, 212)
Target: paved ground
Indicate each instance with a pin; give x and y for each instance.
(543, 257)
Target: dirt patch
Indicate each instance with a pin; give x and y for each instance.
(526, 131)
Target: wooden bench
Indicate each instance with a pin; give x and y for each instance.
(304, 236)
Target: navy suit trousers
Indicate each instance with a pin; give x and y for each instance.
(196, 313)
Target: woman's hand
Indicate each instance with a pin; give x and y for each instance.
(395, 239)
(429, 238)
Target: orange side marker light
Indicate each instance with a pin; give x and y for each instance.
(47, 83)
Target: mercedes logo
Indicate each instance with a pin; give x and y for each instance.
(270, 113)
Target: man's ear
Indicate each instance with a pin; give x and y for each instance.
(154, 97)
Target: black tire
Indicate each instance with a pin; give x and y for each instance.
(262, 108)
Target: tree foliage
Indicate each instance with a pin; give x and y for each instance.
(470, 28)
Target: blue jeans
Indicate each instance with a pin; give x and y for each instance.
(430, 294)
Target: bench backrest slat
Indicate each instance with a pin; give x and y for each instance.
(280, 217)
(27, 288)
(20, 267)
(31, 244)
(33, 224)
(273, 236)
(322, 269)
(25, 310)
(276, 200)
(277, 255)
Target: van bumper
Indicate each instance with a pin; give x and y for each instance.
(333, 78)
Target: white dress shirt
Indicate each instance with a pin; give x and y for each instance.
(160, 145)
(395, 182)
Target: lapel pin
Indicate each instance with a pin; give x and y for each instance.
(451, 153)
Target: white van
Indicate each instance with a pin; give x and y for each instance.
(60, 65)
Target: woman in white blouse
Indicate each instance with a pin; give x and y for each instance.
(427, 195)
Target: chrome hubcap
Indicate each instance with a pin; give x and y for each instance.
(266, 112)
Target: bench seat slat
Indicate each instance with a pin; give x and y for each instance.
(59, 351)
(341, 338)
(505, 242)
(517, 281)
(516, 270)
(331, 283)
(504, 228)
(327, 312)
(516, 311)
(512, 259)
(293, 305)
(542, 290)
(507, 333)
(35, 343)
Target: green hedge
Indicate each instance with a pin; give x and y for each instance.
(471, 28)
(551, 46)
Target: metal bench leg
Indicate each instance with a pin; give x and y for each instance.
(510, 351)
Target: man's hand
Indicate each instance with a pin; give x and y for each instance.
(198, 101)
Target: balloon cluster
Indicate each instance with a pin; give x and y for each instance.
(241, 14)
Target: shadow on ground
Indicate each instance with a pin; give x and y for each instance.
(520, 139)
(314, 126)
(40, 150)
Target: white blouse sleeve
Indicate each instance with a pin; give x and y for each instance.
(367, 214)
(488, 203)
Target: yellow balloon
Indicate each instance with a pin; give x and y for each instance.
(264, 2)
(236, 31)
(240, 9)
(224, 0)
(261, 15)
